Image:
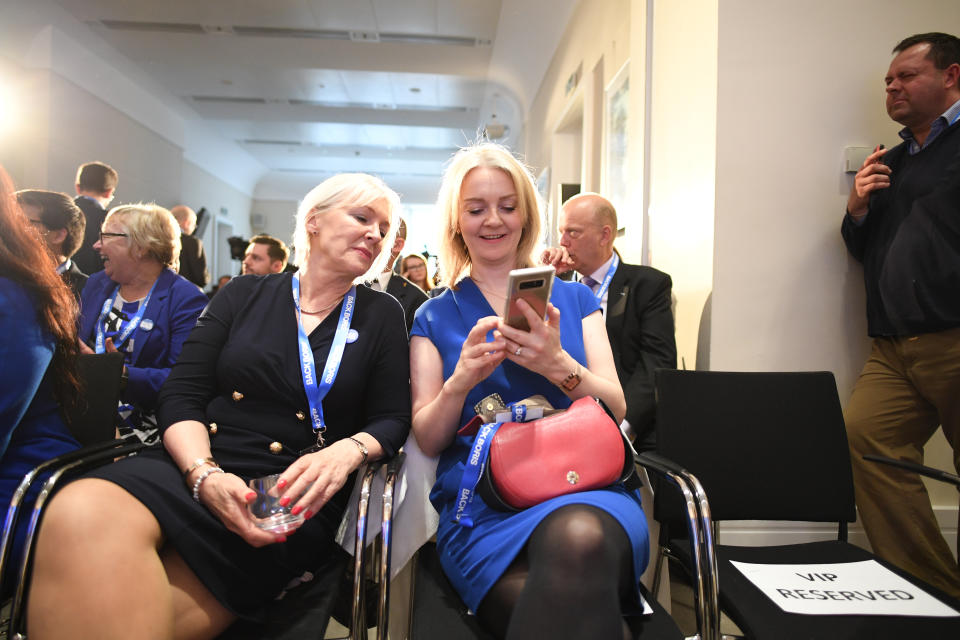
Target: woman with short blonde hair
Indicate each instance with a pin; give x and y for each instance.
(152, 230)
(170, 529)
(138, 305)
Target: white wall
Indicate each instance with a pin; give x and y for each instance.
(797, 83)
(73, 99)
(751, 105)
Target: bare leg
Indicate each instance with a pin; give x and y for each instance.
(98, 573)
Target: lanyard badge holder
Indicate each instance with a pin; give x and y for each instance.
(318, 389)
(132, 325)
(602, 290)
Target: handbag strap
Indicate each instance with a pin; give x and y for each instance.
(473, 467)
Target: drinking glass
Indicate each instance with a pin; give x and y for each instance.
(266, 509)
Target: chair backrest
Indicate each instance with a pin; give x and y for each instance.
(94, 419)
(765, 446)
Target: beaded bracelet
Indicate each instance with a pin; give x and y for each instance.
(199, 481)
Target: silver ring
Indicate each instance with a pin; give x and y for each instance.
(517, 352)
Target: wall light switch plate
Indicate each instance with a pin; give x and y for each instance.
(853, 158)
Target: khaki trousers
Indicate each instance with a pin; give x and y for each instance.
(908, 387)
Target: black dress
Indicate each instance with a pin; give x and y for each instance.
(240, 370)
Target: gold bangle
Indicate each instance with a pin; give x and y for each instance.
(363, 449)
(199, 462)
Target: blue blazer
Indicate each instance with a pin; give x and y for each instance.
(31, 429)
(174, 307)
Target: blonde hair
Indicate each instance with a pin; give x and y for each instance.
(454, 256)
(346, 190)
(150, 228)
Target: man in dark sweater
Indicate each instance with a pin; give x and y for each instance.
(903, 223)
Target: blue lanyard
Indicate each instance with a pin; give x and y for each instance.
(472, 469)
(602, 291)
(316, 391)
(131, 326)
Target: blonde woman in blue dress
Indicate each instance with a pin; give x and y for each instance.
(568, 567)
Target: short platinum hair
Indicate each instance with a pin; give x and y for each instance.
(350, 190)
(152, 229)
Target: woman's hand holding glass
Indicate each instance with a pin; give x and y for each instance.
(227, 497)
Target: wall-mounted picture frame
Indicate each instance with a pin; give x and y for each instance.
(616, 114)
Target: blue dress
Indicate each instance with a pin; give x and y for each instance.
(31, 429)
(475, 558)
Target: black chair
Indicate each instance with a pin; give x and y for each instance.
(302, 614)
(438, 612)
(771, 446)
(94, 419)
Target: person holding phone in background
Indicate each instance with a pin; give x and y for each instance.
(901, 222)
(568, 567)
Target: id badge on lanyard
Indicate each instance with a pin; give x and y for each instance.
(602, 290)
(318, 389)
(132, 325)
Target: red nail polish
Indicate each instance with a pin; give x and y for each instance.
(281, 483)
(284, 501)
(250, 496)
(308, 514)
(297, 509)
(281, 538)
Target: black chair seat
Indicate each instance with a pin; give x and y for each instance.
(303, 613)
(759, 617)
(438, 611)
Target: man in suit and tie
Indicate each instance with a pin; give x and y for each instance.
(61, 224)
(636, 301)
(193, 259)
(96, 184)
(409, 295)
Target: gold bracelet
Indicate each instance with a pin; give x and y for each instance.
(199, 462)
(362, 447)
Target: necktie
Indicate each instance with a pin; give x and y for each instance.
(590, 282)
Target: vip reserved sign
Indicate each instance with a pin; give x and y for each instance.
(849, 588)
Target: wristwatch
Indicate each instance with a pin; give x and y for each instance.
(572, 380)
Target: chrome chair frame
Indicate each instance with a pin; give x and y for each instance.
(702, 542)
(69, 463)
(358, 626)
(90, 456)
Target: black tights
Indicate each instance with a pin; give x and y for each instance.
(568, 583)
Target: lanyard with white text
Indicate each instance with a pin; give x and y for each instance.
(602, 291)
(316, 391)
(131, 326)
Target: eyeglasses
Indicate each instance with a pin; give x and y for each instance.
(105, 234)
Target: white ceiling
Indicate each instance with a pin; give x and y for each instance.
(313, 87)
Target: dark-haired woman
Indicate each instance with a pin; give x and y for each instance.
(38, 347)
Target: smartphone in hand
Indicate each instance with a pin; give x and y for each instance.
(532, 285)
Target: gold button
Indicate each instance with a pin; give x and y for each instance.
(213, 427)
(573, 477)
(301, 415)
(276, 447)
(237, 396)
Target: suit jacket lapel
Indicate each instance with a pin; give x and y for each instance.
(157, 302)
(617, 300)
